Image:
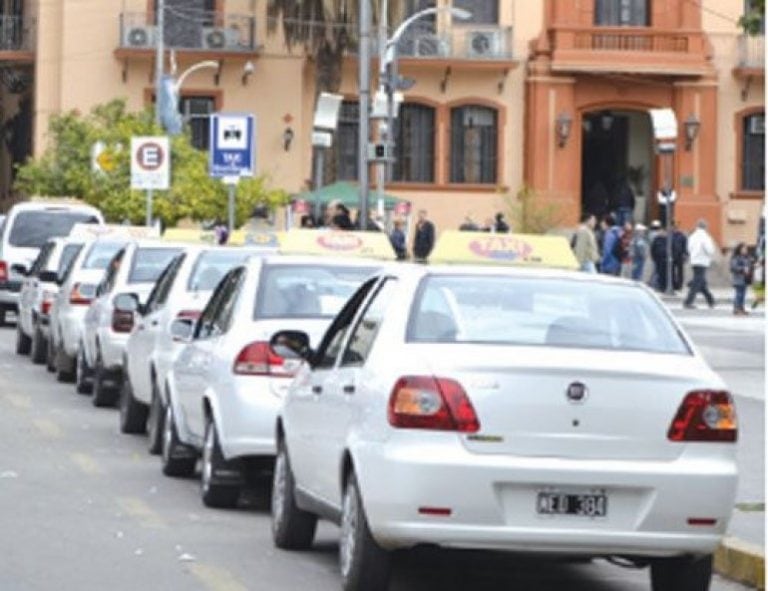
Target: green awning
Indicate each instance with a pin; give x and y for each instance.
(347, 193)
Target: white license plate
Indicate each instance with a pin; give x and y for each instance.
(592, 504)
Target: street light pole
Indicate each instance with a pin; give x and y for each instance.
(364, 80)
(160, 55)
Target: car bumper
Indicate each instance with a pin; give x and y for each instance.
(112, 349)
(492, 500)
(71, 323)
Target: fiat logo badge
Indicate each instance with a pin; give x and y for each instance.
(576, 392)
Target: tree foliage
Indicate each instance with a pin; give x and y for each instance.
(65, 170)
(751, 22)
(529, 215)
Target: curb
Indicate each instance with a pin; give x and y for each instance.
(741, 561)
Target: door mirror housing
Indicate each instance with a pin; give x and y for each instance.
(127, 302)
(183, 329)
(19, 269)
(291, 344)
(48, 276)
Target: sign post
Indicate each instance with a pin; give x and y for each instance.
(232, 153)
(150, 167)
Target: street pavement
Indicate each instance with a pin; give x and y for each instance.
(83, 507)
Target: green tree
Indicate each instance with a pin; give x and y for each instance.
(751, 22)
(64, 169)
(528, 214)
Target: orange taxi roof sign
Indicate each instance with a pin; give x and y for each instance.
(342, 243)
(503, 249)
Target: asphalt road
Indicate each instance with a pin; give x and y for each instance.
(84, 508)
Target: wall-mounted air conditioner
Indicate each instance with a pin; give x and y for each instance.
(429, 46)
(139, 37)
(220, 38)
(484, 44)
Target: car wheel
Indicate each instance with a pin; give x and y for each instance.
(177, 458)
(83, 373)
(681, 573)
(39, 346)
(292, 527)
(23, 342)
(103, 395)
(65, 372)
(133, 414)
(50, 356)
(223, 496)
(365, 566)
(155, 422)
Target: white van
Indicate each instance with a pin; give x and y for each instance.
(25, 230)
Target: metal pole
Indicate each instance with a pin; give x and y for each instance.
(319, 165)
(364, 81)
(160, 55)
(394, 75)
(384, 128)
(668, 193)
(150, 195)
(231, 207)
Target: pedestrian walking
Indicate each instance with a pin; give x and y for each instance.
(625, 249)
(501, 225)
(397, 238)
(424, 239)
(585, 245)
(640, 248)
(610, 264)
(741, 277)
(659, 257)
(701, 249)
(679, 256)
(221, 231)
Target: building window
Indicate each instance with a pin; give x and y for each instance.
(754, 17)
(347, 141)
(753, 153)
(196, 112)
(415, 144)
(484, 12)
(626, 13)
(474, 144)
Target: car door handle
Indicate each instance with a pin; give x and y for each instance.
(317, 389)
(349, 389)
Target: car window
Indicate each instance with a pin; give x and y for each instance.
(159, 294)
(510, 310)
(108, 283)
(363, 335)
(42, 259)
(68, 255)
(306, 291)
(149, 262)
(330, 347)
(212, 265)
(33, 228)
(100, 254)
(217, 313)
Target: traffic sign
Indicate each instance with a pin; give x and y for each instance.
(150, 163)
(232, 152)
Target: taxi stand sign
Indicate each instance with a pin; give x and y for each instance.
(372, 245)
(232, 145)
(528, 250)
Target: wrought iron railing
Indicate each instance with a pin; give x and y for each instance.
(16, 33)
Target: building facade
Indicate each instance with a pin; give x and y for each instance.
(546, 94)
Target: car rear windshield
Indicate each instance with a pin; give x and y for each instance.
(546, 312)
(306, 291)
(33, 228)
(149, 262)
(101, 253)
(212, 265)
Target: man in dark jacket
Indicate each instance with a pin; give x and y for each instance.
(424, 240)
(659, 257)
(679, 254)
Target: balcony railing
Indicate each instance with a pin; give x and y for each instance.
(752, 51)
(16, 33)
(228, 33)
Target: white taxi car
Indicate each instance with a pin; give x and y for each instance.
(134, 269)
(506, 409)
(181, 291)
(225, 386)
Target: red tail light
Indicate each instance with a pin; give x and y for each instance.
(426, 402)
(189, 314)
(258, 359)
(122, 321)
(80, 295)
(3, 271)
(45, 305)
(705, 415)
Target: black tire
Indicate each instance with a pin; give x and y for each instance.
(365, 566)
(103, 395)
(65, 366)
(292, 527)
(39, 347)
(83, 373)
(681, 573)
(133, 414)
(155, 421)
(23, 342)
(222, 496)
(50, 356)
(177, 458)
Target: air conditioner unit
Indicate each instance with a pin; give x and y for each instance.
(757, 125)
(220, 38)
(484, 44)
(429, 46)
(139, 36)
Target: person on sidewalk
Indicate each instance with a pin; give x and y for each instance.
(741, 274)
(397, 239)
(701, 249)
(611, 261)
(585, 245)
(640, 248)
(424, 239)
(679, 254)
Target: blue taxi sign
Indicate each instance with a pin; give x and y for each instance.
(232, 145)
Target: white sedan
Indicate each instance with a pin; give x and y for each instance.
(225, 386)
(506, 409)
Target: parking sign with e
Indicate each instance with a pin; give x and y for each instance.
(150, 163)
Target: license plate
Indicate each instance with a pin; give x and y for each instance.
(585, 505)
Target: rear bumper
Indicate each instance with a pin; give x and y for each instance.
(9, 294)
(112, 349)
(71, 321)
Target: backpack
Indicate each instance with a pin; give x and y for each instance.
(619, 250)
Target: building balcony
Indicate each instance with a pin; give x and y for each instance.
(629, 50)
(751, 56)
(209, 35)
(17, 39)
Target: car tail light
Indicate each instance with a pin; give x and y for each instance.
(122, 321)
(426, 402)
(258, 359)
(189, 314)
(3, 271)
(79, 296)
(705, 415)
(45, 305)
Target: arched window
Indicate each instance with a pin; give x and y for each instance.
(474, 144)
(753, 152)
(415, 141)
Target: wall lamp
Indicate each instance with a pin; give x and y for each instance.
(248, 70)
(692, 125)
(287, 138)
(563, 128)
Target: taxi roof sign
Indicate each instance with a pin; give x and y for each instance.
(504, 249)
(93, 231)
(237, 238)
(372, 245)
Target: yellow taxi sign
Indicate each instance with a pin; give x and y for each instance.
(503, 249)
(93, 231)
(343, 243)
(237, 238)
(193, 235)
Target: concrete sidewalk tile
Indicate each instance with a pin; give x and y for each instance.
(741, 562)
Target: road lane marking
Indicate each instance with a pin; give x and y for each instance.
(86, 463)
(48, 428)
(215, 578)
(19, 401)
(140, 511)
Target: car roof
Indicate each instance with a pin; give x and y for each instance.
(53, 205)
(317, 260)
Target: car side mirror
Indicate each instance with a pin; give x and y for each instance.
(291, 344)
(126, 302)
(19, 269)
(48, 276)
(182, 329)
